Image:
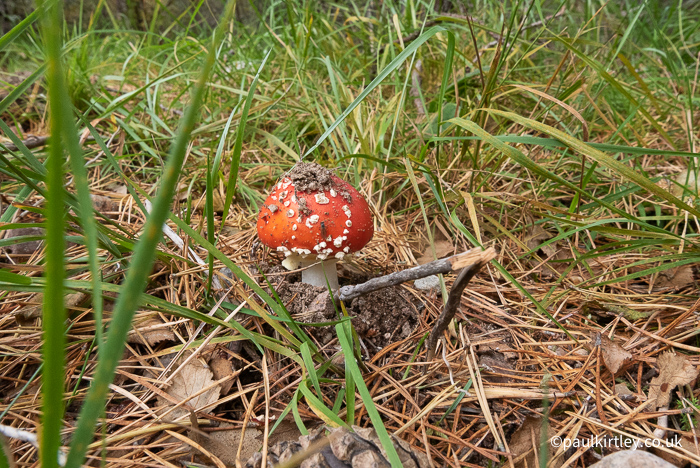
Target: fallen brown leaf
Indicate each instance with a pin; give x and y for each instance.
(676, 278)
(674, 370)
(224, 444)
(525, 445)
(151, 332)
(614, 356)
(222, 367)
(443, 248)
(190, 381)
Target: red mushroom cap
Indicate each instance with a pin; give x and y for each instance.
(312, 212)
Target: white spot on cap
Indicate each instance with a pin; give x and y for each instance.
(321, 198)
(273, 197)
(286, 203)
(311, 220)
(279, 186)
(285, 184)
(329, 238)
(322, 256)
(282, 248)
(348, 223)
(290, 214)
(294, 237)
(283, 195)
(346, 250)
(333, 193)
(339, 255)
(295, 199)
(347, 211)
(294, 227)
(338, 241)
(345, 231)
(272, 208)
(322, 244)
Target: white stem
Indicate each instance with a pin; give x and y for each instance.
(319, 270)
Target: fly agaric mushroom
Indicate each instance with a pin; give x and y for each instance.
(316, 219)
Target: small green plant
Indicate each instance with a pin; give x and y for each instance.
(689, 421)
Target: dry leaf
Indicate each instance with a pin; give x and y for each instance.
(675, 278)
(117, 188)
(224, 444)
(536, 235)
(614, 356)
(218, 202)
(222, 367)
(443, 248)
(526, 441)
(674, 370)
(687, 179)
(153, 331)
(35, 306)
(27, 247)
(622, 390)
(191, 380)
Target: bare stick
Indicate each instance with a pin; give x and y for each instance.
(454, 299)
(31, 142)
(444, 265)
(26, 436)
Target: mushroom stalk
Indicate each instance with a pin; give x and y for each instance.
(318, 271)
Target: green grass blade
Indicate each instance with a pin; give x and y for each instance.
(599, 157)
(238, 146)
(13, 277)
(54, 313)
(310, 367)
(16, 31)
(21, 88)
(374, 416)
(375, 82)
(618, 87)
(142, 262)
(317, 406)
(526, 162)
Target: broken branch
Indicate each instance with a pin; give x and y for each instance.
(444, 265)
(455, 297)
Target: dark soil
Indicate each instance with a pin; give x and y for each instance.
(380, 318)
(312, 177)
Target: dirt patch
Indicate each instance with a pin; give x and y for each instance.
(303, 209)
(312, 177)
(384, 316)
(380, 318)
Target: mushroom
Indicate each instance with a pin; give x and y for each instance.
(316, 219)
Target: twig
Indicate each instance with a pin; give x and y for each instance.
(444, 265)
(26, 436)
(416, 80)
(454, 299)
(31, 142)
